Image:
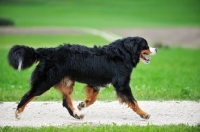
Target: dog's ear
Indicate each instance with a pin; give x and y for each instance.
(131, 44)
(134, 46)
(143, 43)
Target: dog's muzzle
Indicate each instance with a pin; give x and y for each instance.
(143, 55)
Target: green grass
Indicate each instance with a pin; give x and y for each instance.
(106, 128)
(173, 73)
(7, 41)
(102, 13)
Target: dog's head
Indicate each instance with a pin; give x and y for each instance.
(146, 51)
(139, 48)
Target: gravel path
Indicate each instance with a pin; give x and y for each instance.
(184, 37)
(52, 113)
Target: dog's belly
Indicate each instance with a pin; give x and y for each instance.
(91, 78)
(91, 70)
(92, 81)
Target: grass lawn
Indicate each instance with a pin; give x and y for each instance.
(173, 73)
(102, 13)
(106, 128)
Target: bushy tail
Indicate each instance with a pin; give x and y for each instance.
(22, 57)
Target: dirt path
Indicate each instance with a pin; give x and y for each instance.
(184, 37)
(52, 113)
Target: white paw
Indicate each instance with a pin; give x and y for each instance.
(146, 116)
(18, 115)
(78, 115)
(82, 105)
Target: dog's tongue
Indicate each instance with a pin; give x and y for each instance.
(145, 57)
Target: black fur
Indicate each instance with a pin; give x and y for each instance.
(25, 54)
(97, 66)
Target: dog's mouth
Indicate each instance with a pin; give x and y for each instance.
(145, 58)
(145, 55)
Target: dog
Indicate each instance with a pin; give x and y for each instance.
(96, 67)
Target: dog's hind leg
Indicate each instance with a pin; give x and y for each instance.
(24, 101)
(66, 87)
(125, 96)
(29, 96)
(91, 96)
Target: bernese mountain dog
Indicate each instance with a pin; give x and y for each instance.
(96, 67)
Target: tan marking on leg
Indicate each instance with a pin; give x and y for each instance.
(21, 109)
(66, 87)
(91, 97)
(67, 82)
(135, 107)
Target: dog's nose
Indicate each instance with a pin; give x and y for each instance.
(153, 50)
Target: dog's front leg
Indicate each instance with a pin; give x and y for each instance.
(124, 95)
(91, 96)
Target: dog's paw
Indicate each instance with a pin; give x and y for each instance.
(146, 116)
(18, 115)
(81, 105)
(78, 115)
